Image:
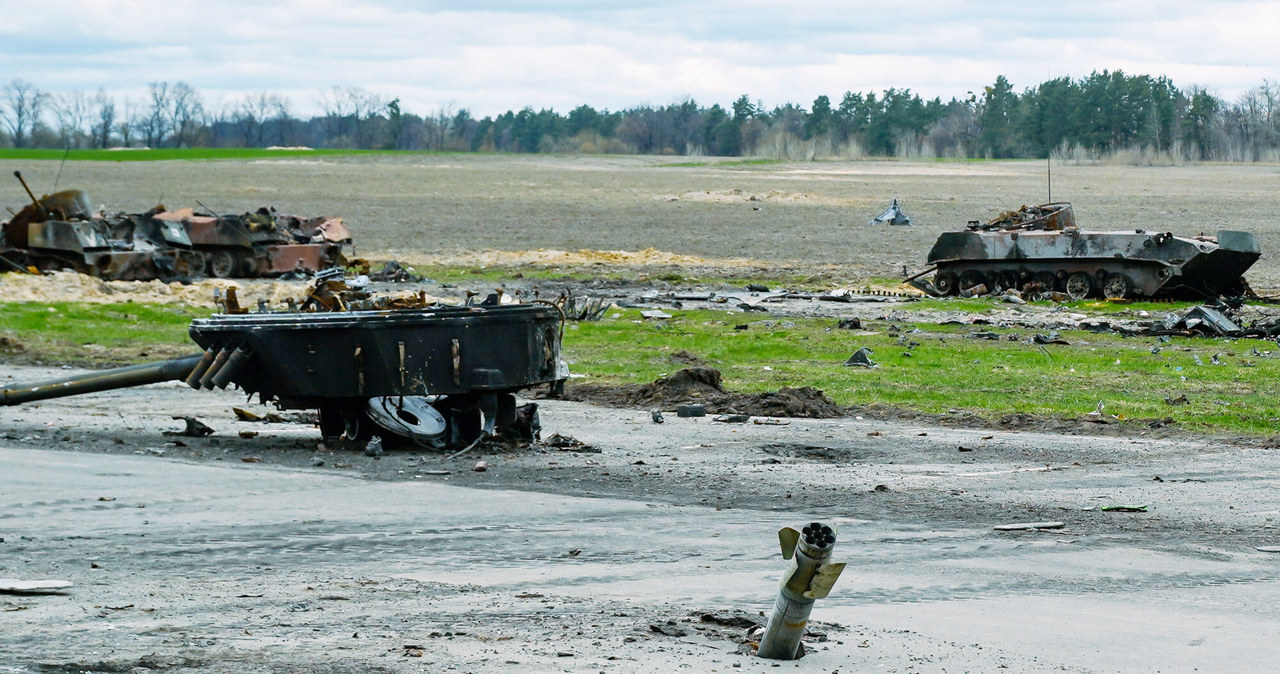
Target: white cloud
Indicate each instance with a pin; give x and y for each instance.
(494, 56)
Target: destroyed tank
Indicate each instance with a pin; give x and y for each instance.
(1040, 248)
(58, 231)
(434, 375)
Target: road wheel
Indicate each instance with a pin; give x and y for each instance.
(970, 278)
(1116, 286)
(1007, 280)
(1047, 280)
(222, 264)
(1078, 286)
(945, 282)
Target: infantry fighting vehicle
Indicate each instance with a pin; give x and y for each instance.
(1040, 248)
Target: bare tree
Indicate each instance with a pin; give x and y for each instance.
(72, 111)
(104, 117)
(21, 110)
(154, 123)
(185, 114)
(130, 122)
(285, 124)
(251, 116)
(350, 116)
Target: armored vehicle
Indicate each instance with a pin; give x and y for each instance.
(1040, 248)
(434, 375)
(58, 231)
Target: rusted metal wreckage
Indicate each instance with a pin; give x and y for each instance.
(399, 368)
(1039, 248)
(59, 231)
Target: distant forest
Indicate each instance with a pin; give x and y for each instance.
(1106, 115)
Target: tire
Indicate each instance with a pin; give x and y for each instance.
(1048, 281)
(945, 282)
(222, 264)
(1116, 286)
(1007, 280)
(970, 278)
(1078, 286)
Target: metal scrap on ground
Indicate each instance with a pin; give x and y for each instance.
(893, 215)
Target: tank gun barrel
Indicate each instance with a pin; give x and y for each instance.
(104, 380)
(34, 200)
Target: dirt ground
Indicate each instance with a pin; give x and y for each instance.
(792, 214)
(260, 549)
(646, 552)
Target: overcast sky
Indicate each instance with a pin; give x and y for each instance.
(493, 56)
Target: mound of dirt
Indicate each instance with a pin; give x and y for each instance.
(704, 385)
(806, 401)
(684, 358)
(691, 383)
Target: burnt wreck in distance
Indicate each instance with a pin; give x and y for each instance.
(1040, 249)
(60, 231)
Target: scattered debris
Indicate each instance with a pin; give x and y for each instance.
(567, 443)
(194, 428)
(19, 586)
(733, 418)
(861, 358)
(1029, 526)
(852, 323)
(582, 308)
(893, 215)
(1125, 508)
(691, 411)
(481, 466)
(656, 415)
(669, 629)
(1051, 338)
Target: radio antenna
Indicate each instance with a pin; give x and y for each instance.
(1048, 170)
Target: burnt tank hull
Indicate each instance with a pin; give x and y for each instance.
(438, 375)
(1080, 263)
(302, 359)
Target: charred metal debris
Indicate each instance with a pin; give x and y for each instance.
(60, 231)
(405, 369)
(1038, 250)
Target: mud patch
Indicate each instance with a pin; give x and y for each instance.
(701, 384)
(805, 402)
(688, 385)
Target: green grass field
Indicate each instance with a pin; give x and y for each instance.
(183, 154)
(1230, 385)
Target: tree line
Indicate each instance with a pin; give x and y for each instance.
(1105, 114)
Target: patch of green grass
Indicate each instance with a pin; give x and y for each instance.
(183, 154)
(925, 367)
(83, 333)
(948, 369)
